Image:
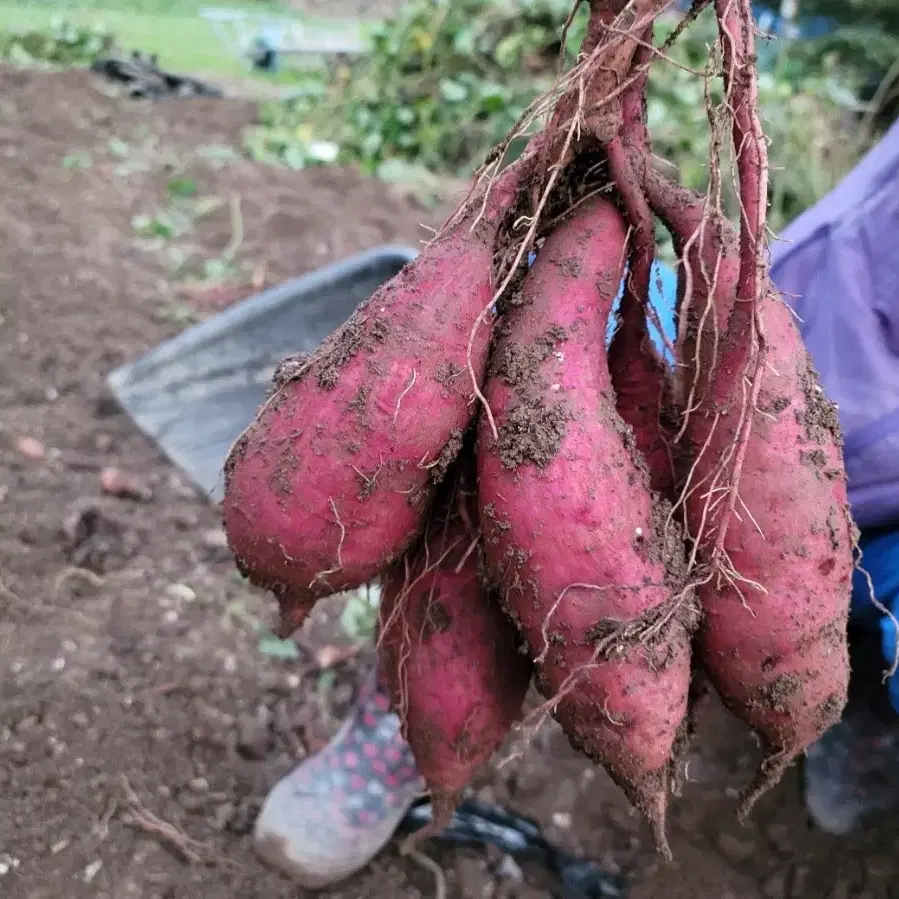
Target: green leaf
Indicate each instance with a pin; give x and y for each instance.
(275, 648)
(326, 679)
(452, 91)
(181, 187)
(76, 161)
(118, 147)
(360, 613)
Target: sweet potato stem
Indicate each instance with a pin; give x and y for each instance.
(746, 352)
(626, 152)
(738, 45)
(637, 370)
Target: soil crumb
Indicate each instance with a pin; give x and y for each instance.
(447, 456)
(532, 432)
(821, 421)
(518, 364)
(338, 350)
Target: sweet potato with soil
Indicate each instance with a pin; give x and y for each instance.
(449, 654)
(767, 500)
(773, 634)
(572, 533)
(707, 249)
(332, 481)
(639, 377)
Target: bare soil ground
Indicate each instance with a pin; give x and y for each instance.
(131, 683)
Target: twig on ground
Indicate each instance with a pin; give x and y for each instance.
(189, 849)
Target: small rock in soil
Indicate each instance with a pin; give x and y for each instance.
(254, 738)
(121, 485)
(223, 815)
(181, 592)
(509, 869)
(31, 448)
(734, 849)
(199, 785)
(215, 546)
(775, 887)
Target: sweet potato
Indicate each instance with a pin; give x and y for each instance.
(332, 481)
(773, 634)
(572, 532)
(772, 638)
(773, 630)
(766, 499)
(449, 655)
(707, 247)
(639, 376)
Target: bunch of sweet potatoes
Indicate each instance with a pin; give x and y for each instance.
(539, 502)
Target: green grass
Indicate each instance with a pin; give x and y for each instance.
(173, 29)
(156, 7)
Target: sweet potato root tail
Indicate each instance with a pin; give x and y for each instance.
(651, 798)
(769, 775)
(443, 805)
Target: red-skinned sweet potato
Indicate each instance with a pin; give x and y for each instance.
(773, 635)
(572, 532)
(450, 656)
(766, 494)
(773, 630)
(332, 481)
(707, 248)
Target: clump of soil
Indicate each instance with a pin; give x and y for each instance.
(821, 420)
(532, 432)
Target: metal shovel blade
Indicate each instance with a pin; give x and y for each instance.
(195, 394)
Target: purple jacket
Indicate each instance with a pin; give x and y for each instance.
(838, 265)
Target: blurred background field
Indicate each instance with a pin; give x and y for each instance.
(438, 84)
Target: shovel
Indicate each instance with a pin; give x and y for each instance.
(195, 394)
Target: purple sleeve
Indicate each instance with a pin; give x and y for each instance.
(838, 267)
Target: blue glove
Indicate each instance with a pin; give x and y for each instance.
(880, 558)
(663, 298)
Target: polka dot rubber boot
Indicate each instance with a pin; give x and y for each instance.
(336, 810)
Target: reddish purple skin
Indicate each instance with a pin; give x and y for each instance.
(713, 264)
(584, 517)
(451, 661)
(779, 659)
(332, 481)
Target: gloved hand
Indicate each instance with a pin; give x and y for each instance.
(851, 772)
(880, 559)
